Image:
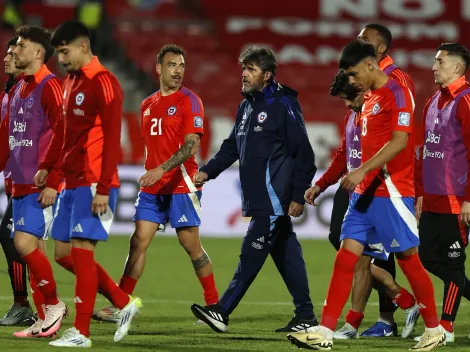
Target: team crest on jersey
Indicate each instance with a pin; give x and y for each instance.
(376, 108)
(79, 98)
(262, 116)
(30, 101)
(198, 121)
(171, 110)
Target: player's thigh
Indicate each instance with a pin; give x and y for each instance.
(357, 225)
(151, 208)
(60, 228)
(7, 221)
(85, 225)
(395, 221)
(185, 210)
(340, 207)
(430, 237)
(29, 216)
(453, 240)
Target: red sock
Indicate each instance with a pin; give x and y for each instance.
(127, 284)
(38, 297)
(354, 318)
(110, 289)
(339, 288)
(66, 263)
(422, 287)
(86, 285)
(42, 272)
(211, 296)
(404, 299)
(448, 325)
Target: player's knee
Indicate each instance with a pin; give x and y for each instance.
(140, 240)
(192, 246)
(23, 245)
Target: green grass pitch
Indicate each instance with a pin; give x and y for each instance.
(169, 286)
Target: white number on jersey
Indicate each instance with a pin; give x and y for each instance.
(364, 126)
(156, 128)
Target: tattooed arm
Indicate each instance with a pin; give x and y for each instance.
(188, 149)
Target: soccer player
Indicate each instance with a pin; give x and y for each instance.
(444, 196)
(347, 159)
(381, 209)
(86, 153)
(20, 312)
(172, 126)
(381, 38)
(26, 130)
(277, 165)
(368, 275)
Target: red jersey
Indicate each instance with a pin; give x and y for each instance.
(165, 121)
(447, 204)
(88, 147)
(398, 74)
(385, 110)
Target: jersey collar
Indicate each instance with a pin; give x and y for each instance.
(453, 88)
(385, 62)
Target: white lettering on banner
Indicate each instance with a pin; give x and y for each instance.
(302, 27)
(219, 218)
(400, 9)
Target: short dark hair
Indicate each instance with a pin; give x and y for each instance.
(341, 85)
(37, 35)
(355, 52)
(68, 32)
(384, 32)
(170, 48)
(259, 56)
(12, 41)
(456, 49)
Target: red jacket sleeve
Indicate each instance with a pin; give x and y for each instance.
(405, 79)
(110, 95)
(4, 144)
(418, 176)
(463, 117)
(51, 101)
(338, 166)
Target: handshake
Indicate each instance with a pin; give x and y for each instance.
(200, 178)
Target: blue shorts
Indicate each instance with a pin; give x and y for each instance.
(30, 217)
(73, 217)
(383, 225)
(182, 210)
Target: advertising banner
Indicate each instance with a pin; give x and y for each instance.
(221, 205)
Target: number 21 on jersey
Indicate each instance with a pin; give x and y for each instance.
(156, 128)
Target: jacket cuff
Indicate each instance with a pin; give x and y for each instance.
(102, 189)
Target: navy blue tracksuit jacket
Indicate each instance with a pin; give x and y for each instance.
(277, 163)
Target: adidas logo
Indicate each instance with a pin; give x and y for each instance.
(261, 239)
(147, 112)
(356, 138)
(421, 305)
(216, 316)
(43, 283)
(183, 219)
(77, 228)
(20, 222)
(456, 245)
(395, 244)
(20, 111)
(436, 121)
(77, 300)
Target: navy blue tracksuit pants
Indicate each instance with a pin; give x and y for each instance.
(270, 235)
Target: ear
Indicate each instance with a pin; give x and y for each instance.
(382, 48)
(267, 75)
(158, 68)
(457, 68)
(85, 46)
(369, 64)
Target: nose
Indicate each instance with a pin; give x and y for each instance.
(244, 73)
(434, 67)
